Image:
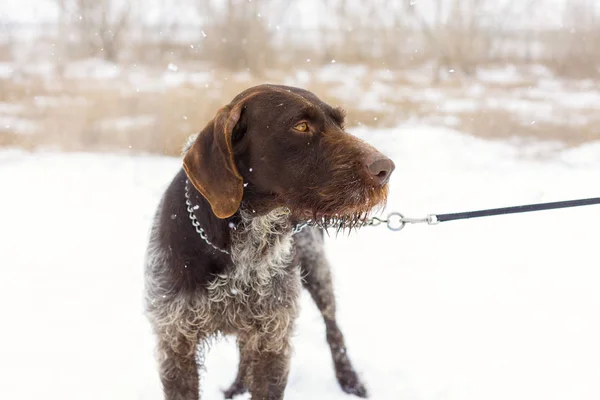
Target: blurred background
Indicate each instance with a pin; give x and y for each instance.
(480, 103)
(142, 75)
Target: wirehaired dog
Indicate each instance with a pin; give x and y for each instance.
(227, 255)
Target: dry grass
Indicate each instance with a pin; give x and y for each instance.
(500, 124)
(76, 116)
(111, 115)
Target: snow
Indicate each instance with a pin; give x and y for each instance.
(42, 102)
(342, 72)
(588, 155)
(505, 75)
(9, 108)
(127, 123)
(93, 68)
(496, 308)
(17, 125)
(6, 70)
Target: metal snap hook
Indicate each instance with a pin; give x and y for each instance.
(395, 221)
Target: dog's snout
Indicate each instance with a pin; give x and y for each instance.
(380, 168)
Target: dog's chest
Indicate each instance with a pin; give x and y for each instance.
(255, 296)
(263, 285)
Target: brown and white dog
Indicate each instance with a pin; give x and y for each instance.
(223, 258)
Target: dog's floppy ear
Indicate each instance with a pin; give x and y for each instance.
(210, 166)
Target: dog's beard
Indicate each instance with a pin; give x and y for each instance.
(338, 206)
(348, 194)
(345, 202)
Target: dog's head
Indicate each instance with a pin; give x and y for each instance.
(279, 146)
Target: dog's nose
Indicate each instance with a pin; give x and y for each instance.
(380, 169)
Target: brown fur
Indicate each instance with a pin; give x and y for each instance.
(195, 292)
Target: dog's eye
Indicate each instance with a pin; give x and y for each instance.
(302, 127)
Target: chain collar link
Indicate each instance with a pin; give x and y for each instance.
(190, 209)
(194, 220)
(395, 221)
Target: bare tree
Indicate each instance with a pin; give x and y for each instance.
(578, 42)
(236, 34)
(372, 31)
(99, 24)
(6, 39)
(431, 31)
(461, 34)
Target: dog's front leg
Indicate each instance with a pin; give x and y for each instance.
(178, 368)
(240, 385)
(269, 374)
(317, 280)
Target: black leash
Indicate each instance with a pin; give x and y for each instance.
(518, 209)
(396, 221)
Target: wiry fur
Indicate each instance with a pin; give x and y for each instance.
(259, 296)
(257, 300)
(240, 300)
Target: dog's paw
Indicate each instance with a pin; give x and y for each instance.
(355, 388)
(236, 389)
(351, 384)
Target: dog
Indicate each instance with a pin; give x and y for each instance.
(226, 254)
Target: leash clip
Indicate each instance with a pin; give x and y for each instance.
(396, 221)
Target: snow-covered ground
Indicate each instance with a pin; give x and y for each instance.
(495, 309)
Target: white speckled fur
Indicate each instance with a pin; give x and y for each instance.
(257, 297)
